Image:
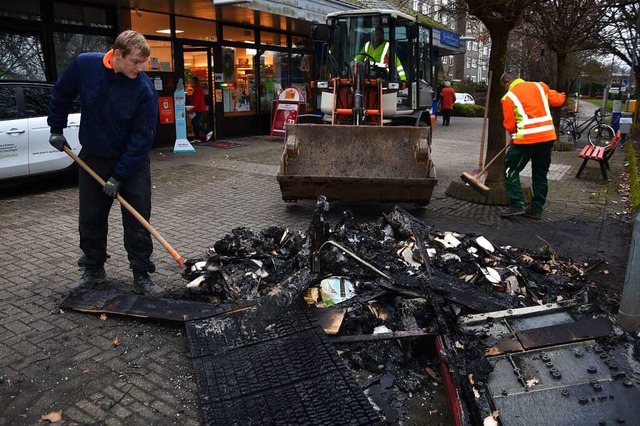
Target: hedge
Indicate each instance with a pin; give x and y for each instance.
(467, 110)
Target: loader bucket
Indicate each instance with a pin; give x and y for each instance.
(357, 163)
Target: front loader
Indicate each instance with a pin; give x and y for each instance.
(372, 141)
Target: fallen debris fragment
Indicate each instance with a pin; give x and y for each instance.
(52, 417)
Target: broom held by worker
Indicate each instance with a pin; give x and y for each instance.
(117, 127)
(527, 117)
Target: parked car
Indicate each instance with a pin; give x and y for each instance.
(24, 133)
(464, 98)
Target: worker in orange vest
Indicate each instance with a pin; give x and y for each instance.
(527, 118)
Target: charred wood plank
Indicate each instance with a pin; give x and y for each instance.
(467, 295)
(565, 333)
(382, 336)
(113, 302)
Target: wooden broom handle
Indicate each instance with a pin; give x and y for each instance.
(484, 121)
(130, 209)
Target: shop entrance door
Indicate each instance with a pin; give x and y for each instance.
(198, 62)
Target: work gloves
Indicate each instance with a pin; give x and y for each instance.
(58, 141)
(111, 187)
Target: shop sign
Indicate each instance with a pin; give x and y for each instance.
(449, 39)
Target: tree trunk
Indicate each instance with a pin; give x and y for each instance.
(496, 133)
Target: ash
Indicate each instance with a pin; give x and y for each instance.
(393, 275)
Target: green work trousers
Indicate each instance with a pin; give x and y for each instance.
(517, 157)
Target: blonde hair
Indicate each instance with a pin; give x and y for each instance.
(129, 41)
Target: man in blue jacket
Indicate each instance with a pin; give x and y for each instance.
(119, 117)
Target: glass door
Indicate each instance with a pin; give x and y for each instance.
(198, 69)
(273, 79)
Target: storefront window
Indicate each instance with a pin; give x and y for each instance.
(70, 45)
(239, 81)
(272, 78)
(195, 29)
(149, 23)
(73, 14)
(21, 57)
(24, 9)
(161, 58)
(242, 35)
(273, 39)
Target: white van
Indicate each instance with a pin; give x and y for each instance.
(24, 133)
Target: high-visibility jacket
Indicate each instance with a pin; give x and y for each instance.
(526, 111)
(381, 55)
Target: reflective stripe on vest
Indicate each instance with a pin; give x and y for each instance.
(385, 49)
(536, 120)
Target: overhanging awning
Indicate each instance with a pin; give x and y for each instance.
(306, 10)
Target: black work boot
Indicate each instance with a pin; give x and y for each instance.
(90, 278)
(142, 284)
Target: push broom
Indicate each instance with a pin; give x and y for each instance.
(474, 180)
(130, 209)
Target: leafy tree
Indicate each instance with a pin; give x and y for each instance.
(623, 40)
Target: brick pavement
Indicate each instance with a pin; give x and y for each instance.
(53, 360)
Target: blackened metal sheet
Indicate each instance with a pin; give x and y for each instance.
(572, 405)
(565, 333)
(289, 374)
(113, 302)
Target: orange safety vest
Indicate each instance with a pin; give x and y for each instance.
(526, 112)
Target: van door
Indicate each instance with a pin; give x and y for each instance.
(14, 138)
(43, 157)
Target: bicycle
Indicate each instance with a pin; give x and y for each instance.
(600, 134)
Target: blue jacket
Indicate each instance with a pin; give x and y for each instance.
(119, 114)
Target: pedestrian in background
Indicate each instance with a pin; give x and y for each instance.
(118, 124)
(447, 99)
(199, 109)
(528, 119)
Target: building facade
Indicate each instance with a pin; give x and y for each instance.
(244, 53)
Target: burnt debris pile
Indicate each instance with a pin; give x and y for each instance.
(383, 291)
(397, 253)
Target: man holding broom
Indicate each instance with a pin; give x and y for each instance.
(119, 118)
(528, 119)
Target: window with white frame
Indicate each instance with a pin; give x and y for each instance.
(484, 65)
(474, 63)
(451, 60)
(469, 45)
(425, 8)
(475, 45)
(444, 60)
(474, 78)
(485, 50)
(468, 62)
(416, 5)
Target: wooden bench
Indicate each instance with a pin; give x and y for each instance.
(601, 154)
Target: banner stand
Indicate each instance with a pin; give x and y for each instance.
(182, 144)
(286, 111)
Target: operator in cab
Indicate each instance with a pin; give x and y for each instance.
(378, 49)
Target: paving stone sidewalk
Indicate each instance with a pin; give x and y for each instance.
(52, 360)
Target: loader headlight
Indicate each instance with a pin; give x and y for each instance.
(323, 85)
(394, 86)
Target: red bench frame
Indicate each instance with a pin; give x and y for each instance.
(600, 154)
